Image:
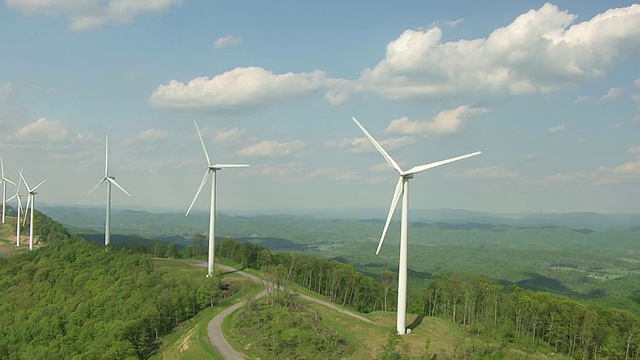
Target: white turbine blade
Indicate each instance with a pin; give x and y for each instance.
(203, 146)
(37, 186)
(26, 209)
(1, 169)
(106, 156)
(98, 184)
(392, 209)
(420, 168)
(13, 197)
(9, 181)
(204, 180)
(26, 184)
(222, 166)
(379, 147)
(119, 187)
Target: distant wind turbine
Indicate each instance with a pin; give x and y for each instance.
(4, 182)
(402, 188)
(19, 209)
(212, 170)
(109, 180)
(31, 204)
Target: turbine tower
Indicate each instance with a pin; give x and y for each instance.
(19, 210)
(31, 200)
(4, 182)
(402, 188)
(212, 170)
(109, 180)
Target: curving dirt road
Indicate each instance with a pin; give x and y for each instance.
(214, 329)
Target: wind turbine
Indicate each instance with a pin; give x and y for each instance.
(18, 197)
(212, 170)
(4, 182)
(402, 188)
(109, 180)
(31, 200)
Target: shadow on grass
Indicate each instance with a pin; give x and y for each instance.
(416, 322)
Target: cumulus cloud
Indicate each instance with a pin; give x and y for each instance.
(611, 96)
(445, 122)
(44, 130)
(557, 129)
(272, 148)
(6, 90)
(363, 145)
(634, 149)
(541, 51)
(228, 137)
(90, 14)
(225, 41)
(243, 88)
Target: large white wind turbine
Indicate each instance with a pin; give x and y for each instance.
(402, 188)
(212, 170)
(31, 203)
(19, 209)
(109, 180)
(4, 182)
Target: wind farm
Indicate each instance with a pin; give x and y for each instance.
(4, 180)
(529, 251)
(31, 204)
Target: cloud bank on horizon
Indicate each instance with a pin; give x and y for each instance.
(551, 97)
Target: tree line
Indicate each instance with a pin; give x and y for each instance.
(513, 316)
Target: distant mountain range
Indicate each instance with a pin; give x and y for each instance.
(153, 224)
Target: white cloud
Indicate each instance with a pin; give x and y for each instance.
(636, 98)
(90, 14)
(557, 129)
(570, 177)
(453, 23)
(152, 134)
(225, 41)
(528, 157)
(228, 137)
(630, 168)
(6, 90)
(363, 145)
(446, 122)
(490, 172)
(44, 130)
(612, 94)
(272, 148)
(636, 83)
(634, 149)
(539, 52)
(240, 89)
(583, 99)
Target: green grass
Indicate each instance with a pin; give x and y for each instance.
(190, 339)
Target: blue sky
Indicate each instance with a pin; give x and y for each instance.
(550, 92)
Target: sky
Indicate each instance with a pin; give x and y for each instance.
(549, 92)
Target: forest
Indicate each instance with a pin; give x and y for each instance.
(512, 316)
(71, 298)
